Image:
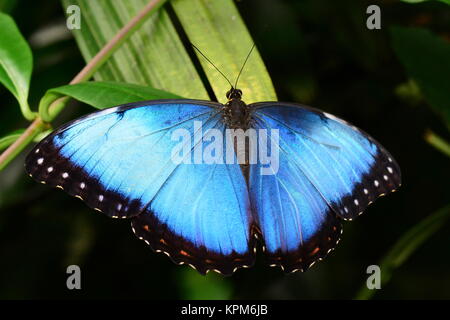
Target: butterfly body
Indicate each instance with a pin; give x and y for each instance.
(236, 113)
(213, 215)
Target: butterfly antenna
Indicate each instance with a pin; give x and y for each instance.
(242, 68)
(206, 58)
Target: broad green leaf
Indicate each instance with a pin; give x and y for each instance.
(9, 139)
(16, 63)
(153, 56)
(426, 58)
(405, 247)
(418, 1)
(217, 29)
(103, 95)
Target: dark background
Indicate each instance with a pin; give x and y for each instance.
(317, 52)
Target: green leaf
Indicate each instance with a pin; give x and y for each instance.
(418, 1)
(16, 63)
(409, 92)
(210, 287)
(42, 135)
(7, 6)
(156, 57)
(426, 58)
(405, 247)
(103, 95)
(153, 56)
(226, 43)
(9, 139)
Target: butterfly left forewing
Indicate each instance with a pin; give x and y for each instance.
(113, 159)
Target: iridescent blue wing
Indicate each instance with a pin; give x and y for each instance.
(327, 169)
(296, 224)
(206, 204)
(119, 161)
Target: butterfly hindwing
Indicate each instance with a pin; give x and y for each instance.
(346, 166)
(201, 216)
(298, 227)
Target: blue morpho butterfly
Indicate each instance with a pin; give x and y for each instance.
(213, 215)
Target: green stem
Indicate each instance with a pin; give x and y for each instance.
(26, 111)
(30, 133)
(49, 99)
(437, 142)
(53, 108)
(405, 247)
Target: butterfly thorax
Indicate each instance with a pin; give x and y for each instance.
(235, 112)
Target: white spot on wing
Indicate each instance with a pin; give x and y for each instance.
(40, 161)
(356, 202)
(50, 169)
(100, 198)
(82, 185)
(65, 175)
(390, 169)
(366, 191)
(376, 183)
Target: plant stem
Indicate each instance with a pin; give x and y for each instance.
(26, 111)
(116, 41)
(437, 142)
(38, 125)
(405, 246)
(33, 129)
